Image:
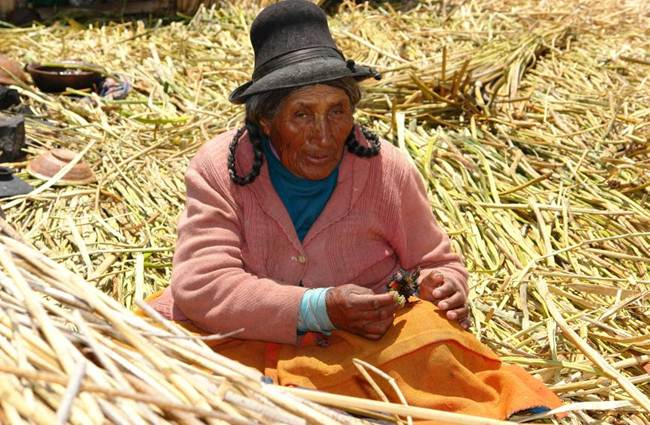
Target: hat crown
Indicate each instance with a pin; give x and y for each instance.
(288, 26)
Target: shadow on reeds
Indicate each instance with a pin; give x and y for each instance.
(332, 7)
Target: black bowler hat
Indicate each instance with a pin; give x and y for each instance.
(293, 47)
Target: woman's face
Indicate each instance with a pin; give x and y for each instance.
(309, 130)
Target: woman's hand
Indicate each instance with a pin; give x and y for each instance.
(358, 310)
(448, 296)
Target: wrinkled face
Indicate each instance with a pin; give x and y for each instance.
(309, 130)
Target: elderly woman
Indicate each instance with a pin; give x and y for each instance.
(294, 225)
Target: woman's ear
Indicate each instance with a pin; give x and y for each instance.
(265, 126)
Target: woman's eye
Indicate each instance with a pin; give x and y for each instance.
(300, 114)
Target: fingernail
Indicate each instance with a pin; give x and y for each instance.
(443, 306)
(451, 316)
(436, 294)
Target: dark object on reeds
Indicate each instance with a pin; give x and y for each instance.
(8, 97)
(11, 185)
(12, 137)
(56, 78)
(23, 17)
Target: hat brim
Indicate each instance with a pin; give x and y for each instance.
(319, 70)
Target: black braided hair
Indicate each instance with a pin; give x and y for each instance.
(258, 156)
(258, 159)
(353, 144)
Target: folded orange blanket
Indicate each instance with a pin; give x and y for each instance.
(435, 363)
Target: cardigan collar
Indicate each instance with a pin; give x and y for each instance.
(352, 178)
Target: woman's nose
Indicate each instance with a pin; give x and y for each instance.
(321, 130)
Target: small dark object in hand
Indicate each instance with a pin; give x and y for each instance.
(403, 284)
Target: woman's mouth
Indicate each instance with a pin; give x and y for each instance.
(318, 159)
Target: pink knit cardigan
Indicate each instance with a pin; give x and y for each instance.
(239, 263)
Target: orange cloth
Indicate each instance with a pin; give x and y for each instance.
(435, 363)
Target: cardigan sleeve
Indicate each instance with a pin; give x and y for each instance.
(209, 282)
(417, 239)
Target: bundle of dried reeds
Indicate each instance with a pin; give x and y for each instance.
(88, 360)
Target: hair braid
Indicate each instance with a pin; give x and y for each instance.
(353, 144)
(258, 156)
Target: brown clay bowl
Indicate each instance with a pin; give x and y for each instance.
(57, 77)
(51, 162)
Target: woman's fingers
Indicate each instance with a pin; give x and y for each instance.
(455, 301)
(433, 279)
(372, 301)
(373, 337)
(377, 328)
(431, 282)
(465, 323)
(359, 310)
(376, 315)
(458, 313)
(443, 291)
